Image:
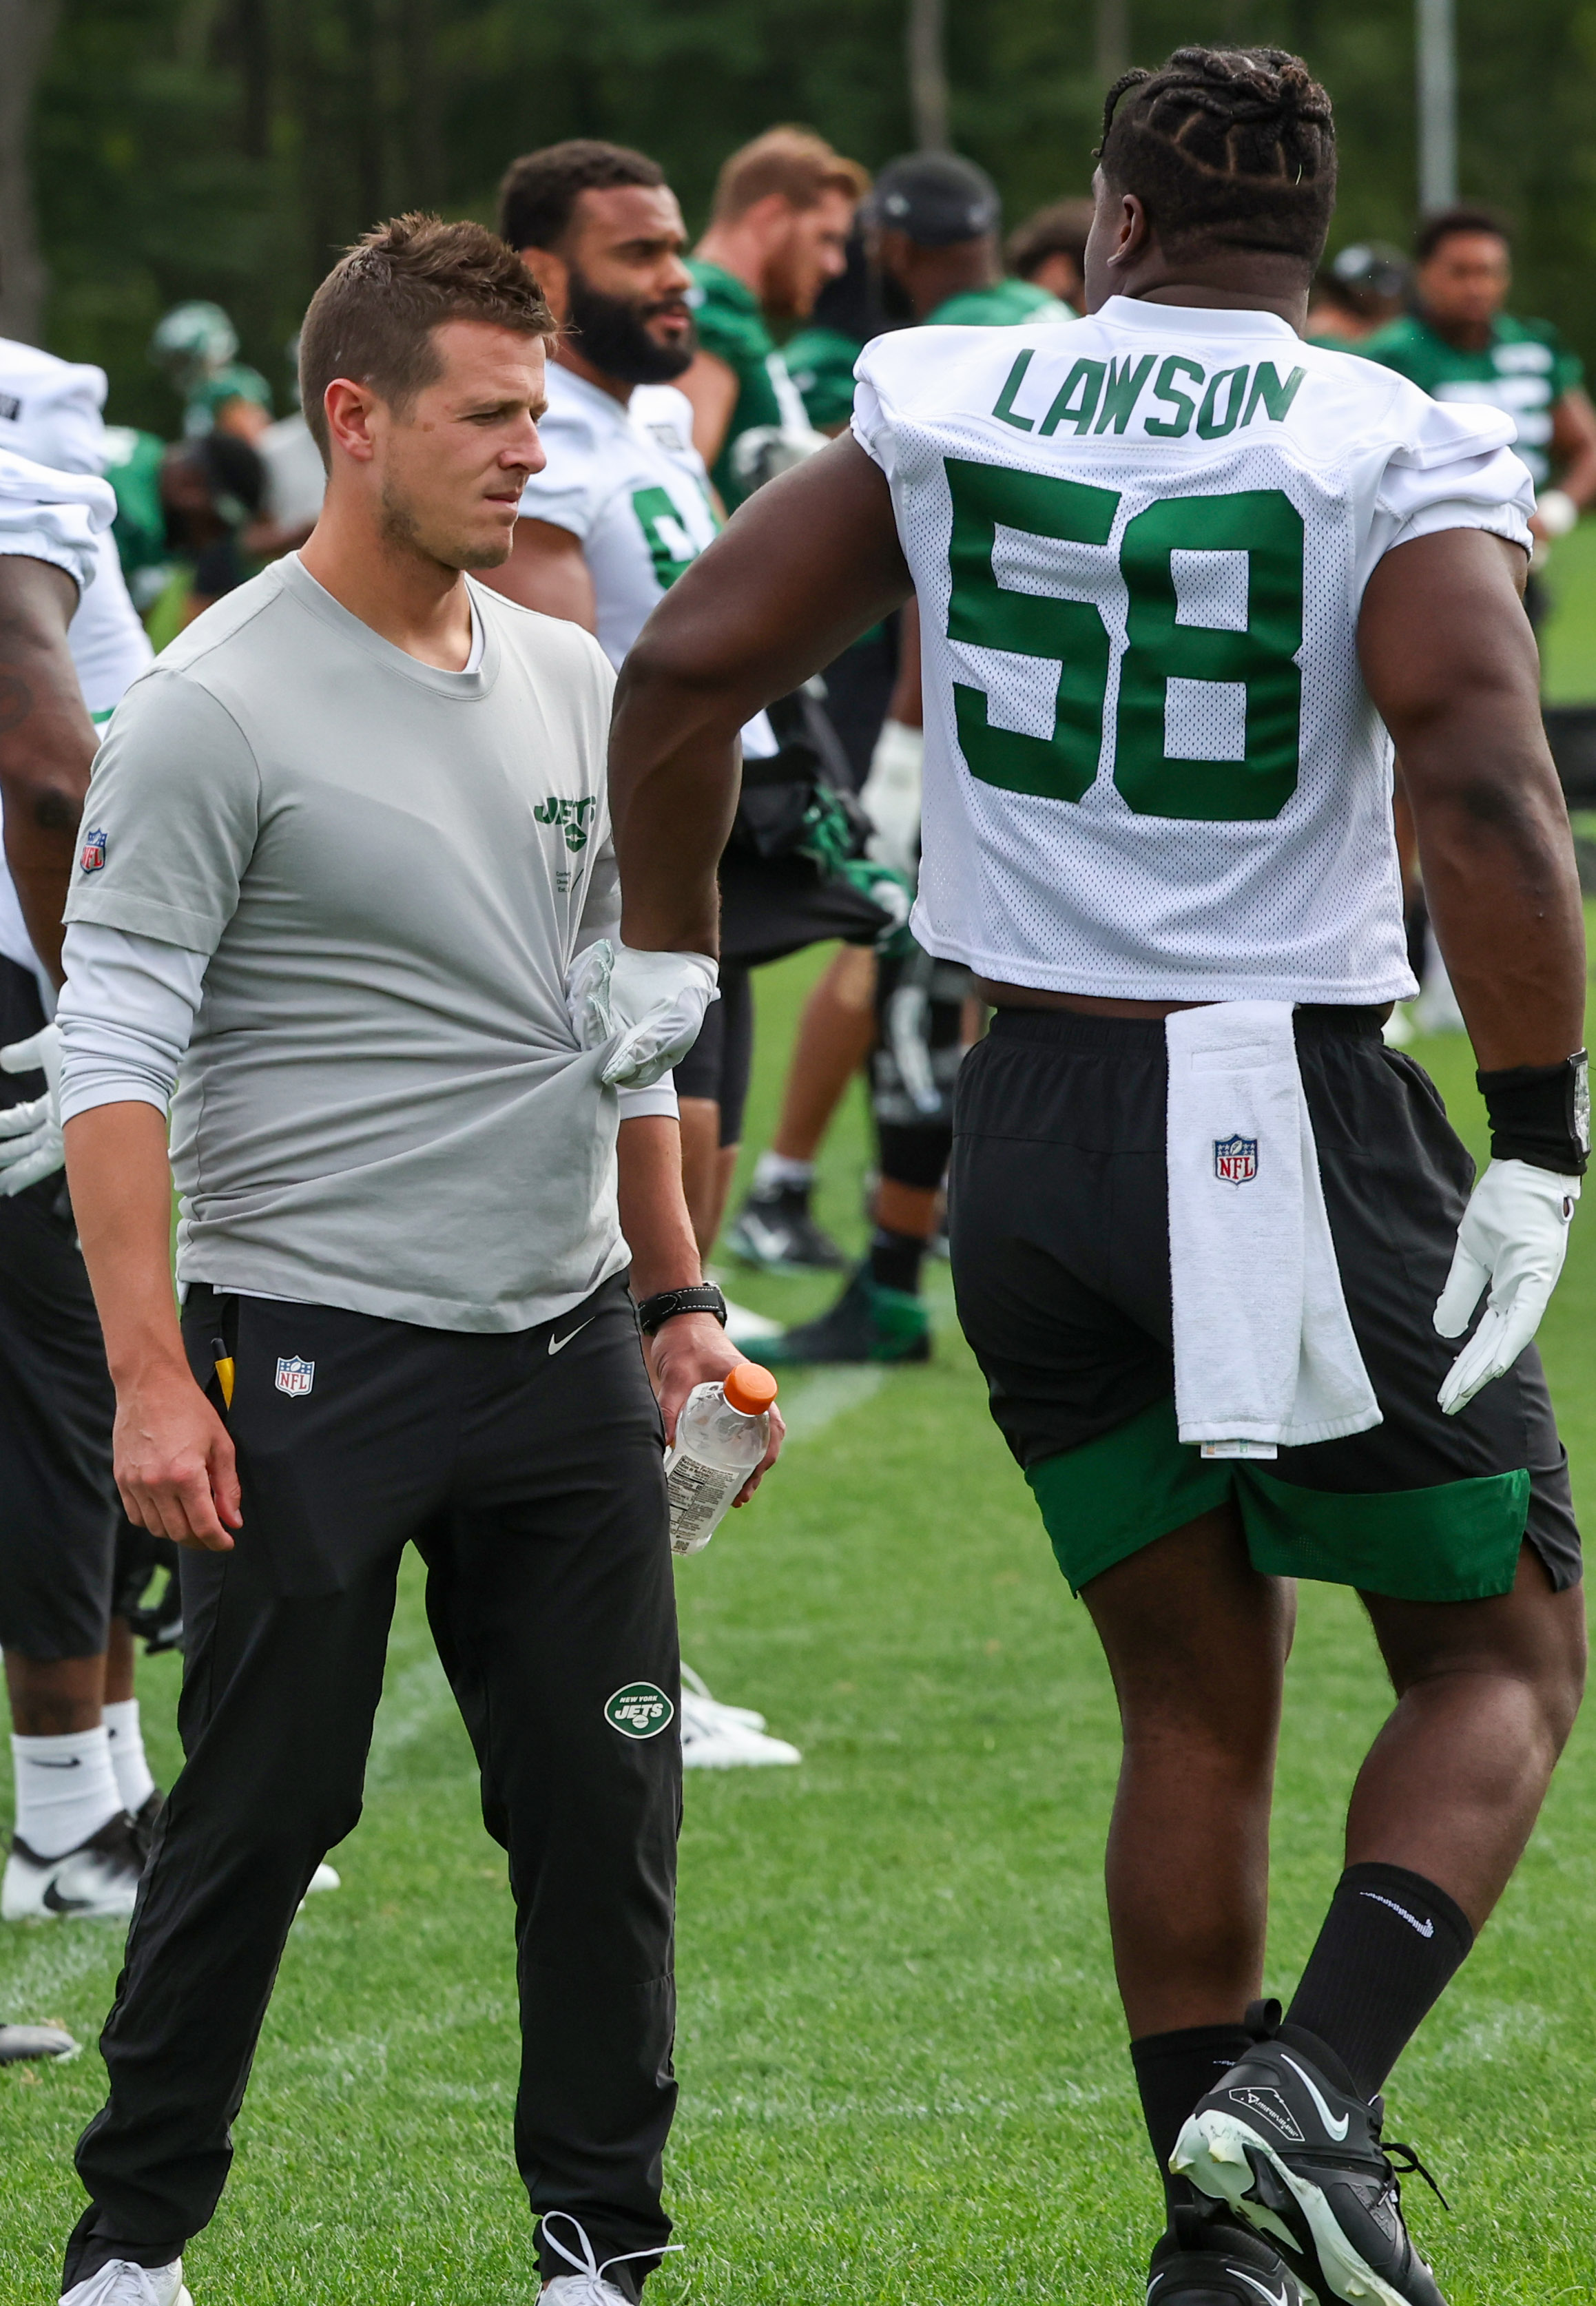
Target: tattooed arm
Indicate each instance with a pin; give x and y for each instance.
(47, 744)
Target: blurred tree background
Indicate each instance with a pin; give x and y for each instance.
(229, 148)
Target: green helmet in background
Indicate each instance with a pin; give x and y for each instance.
(192, 343)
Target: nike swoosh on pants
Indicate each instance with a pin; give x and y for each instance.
(559, 1345)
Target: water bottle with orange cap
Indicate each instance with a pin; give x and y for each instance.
(721, 1434)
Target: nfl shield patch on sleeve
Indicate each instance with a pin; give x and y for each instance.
(93, 855)
(294, 1375)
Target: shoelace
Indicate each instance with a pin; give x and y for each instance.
(589, 2273)
(1410, 2168)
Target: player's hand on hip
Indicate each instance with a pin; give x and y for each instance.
(650, 1005)
(174, 1462)
(1513, 1240)
(693, 1349)
(30, 1145)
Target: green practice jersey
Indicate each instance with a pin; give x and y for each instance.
(820, 362)
(1004, 305)
(1524, 370)
(732, 326)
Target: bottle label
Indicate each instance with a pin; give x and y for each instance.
(699, 1495)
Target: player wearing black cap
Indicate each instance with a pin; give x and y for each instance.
(1359, 291)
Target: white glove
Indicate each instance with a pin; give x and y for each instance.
(1557, 512)
(891, 796)
(1513, 1236)
(650, 1005)
(30, 1145)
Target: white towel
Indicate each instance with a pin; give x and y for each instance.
(1264, 1352)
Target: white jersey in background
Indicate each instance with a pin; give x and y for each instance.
(1140, 542)
(64, 518)
(628, 483)
(51, 412)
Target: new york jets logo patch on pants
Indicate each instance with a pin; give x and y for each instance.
(639, 1710)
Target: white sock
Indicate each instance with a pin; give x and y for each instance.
(66, 1790)
(134, 1781)
(776, 1169)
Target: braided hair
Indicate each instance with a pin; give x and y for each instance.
(1227, 147)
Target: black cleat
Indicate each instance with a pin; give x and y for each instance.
(144, 1818)
(1205, 2260)
(868, 1323)
(775, 1231)
(1286, 2143)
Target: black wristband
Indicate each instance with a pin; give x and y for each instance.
(702, 1297)
(1541, 1113)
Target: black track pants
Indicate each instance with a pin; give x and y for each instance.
(526, 1470)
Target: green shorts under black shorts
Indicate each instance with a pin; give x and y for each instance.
(1059, 1232)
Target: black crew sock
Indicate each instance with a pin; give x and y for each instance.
(1390, 1945)
(1173, 2071)
(895, 1259)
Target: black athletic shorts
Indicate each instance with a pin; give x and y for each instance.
(59, 1513)
(1059, 1228)
(720, 1063)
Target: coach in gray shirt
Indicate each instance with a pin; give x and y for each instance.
(345, 878)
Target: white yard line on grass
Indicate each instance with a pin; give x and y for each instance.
(418, 1696)
(66, 1953)
(811, 1398)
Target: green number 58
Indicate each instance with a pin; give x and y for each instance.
(1210, 696)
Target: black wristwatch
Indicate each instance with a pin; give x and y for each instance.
(703, 1297)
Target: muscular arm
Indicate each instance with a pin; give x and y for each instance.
(1573, 445)
(1451, 663)
(808, 564)
(693, 1349)
(712, 387)
(173, 1456)
(547, 570)
(47, 744)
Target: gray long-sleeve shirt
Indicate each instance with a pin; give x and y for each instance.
(390, 868)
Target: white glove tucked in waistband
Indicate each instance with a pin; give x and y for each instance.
(1513, 1236)
(30, 1145)
(650, 1005)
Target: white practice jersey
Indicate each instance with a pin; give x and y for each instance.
(64, 518)
(630, 484)
(1140, 544)
(50, 411)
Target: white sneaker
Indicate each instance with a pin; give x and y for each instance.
(97, 1882)
(21, 2045)
(743, 1715)
(745, 1327)
(587, 2286)
(325, 1877)
(120, 2283)
(709, 1741)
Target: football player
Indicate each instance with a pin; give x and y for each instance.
(1180, 574)
(85, 1798)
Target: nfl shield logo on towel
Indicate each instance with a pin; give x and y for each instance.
(93, 856)
(295, 1376)
(1235, 1162)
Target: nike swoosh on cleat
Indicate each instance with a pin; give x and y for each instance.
(1425, 1929)
(765, 1238)
(559, 1345)
(1336, 2126)
(1280, 2297)
(55, 1903)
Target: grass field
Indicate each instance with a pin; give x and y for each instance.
(902, 2058)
